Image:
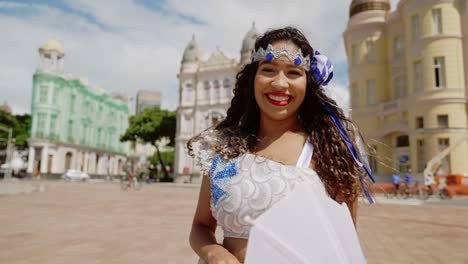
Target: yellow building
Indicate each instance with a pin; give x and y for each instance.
(408, 77)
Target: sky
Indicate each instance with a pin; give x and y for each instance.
(124, 46)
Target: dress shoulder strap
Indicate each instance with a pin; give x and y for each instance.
(306, 155)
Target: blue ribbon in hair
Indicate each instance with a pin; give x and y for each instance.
(321, 69)
(353, 151)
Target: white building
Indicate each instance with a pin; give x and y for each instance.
(205, 93)
(147, 99)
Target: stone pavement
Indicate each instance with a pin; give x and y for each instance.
(99, 223)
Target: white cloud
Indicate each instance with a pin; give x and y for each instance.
(125, 47)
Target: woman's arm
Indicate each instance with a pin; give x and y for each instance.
(202, 235)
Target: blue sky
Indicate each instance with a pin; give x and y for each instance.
(124, 46)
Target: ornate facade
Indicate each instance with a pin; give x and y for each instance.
(74, 125)
(408, 75)
(205, 93)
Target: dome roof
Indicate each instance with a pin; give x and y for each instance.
(248, 43)
(191, 52)
(358, 6)
(52, 45)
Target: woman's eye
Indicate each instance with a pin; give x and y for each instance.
(267, 70)
(294, 73)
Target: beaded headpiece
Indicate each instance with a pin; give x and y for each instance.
(271, 53)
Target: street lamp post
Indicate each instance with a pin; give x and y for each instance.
(8, 152)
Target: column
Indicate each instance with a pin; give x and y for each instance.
(32, 154)
(86, 162)
(44, 159)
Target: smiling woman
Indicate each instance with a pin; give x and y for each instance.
(280, 131)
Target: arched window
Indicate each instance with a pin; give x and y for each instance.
(188, 94)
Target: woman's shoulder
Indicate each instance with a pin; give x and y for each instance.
(203, 148)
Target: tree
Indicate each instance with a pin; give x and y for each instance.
(21, 124)
(150, 126)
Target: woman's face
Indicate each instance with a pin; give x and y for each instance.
(280, 86)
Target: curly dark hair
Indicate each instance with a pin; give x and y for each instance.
(332, 159)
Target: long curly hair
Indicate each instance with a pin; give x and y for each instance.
(332, 159)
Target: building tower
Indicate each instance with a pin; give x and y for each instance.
(248, 44)
(52, 56)
(407, 81)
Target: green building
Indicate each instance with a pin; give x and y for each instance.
(74, 125)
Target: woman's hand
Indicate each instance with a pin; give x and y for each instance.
(222, 257)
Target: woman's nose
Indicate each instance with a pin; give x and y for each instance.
(280, 81)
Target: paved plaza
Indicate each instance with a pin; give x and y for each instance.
(96, 222)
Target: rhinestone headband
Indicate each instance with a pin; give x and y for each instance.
(271, 53)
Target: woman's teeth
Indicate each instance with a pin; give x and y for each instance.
(278, 97)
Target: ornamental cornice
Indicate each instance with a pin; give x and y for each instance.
(401, 105)
(76, 84)
(431, 38)
(53, 143)
(431, 131)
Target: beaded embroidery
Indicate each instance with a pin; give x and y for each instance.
(227, 172)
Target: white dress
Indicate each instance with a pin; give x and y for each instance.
(249, 185)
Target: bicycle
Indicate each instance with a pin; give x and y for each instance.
(125, 183)
(442, 193)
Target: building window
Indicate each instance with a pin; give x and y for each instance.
(371, 92)
(436, 21)
(187, 125)
(419, 122)
(41, 122)
(188, 92)
(99, 135)
(72, 103)
(418, 76)
(207, 90)
(217, 92)
(43, 94)
(370, 46)
(399, 87)
(70, 130)
(53, 123)
(227, 87)
(415, 27)
(442, 121)
(421, 152)
(353, 54)
(445, 162)
(398, 46)
(439, 71)
(402, 141)
(55, 94)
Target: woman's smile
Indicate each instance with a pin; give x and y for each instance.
(278, 98)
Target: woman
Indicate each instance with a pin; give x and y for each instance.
(281, 130)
